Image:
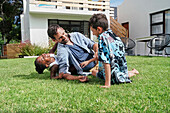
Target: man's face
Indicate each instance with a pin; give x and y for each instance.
(95, 32)
(45, 59)
(61, 36)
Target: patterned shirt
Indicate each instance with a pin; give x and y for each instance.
(111, 50)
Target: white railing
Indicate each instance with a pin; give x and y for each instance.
(112, 12)
(101, 5)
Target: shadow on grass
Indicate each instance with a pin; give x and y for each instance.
(95, 80)
(35, 75)
(46, 76)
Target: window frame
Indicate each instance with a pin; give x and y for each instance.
(70, 25)
(158, 23)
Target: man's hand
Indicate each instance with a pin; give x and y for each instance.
(84, 64)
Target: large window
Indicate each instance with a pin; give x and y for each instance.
(72, 26)
(160, 22)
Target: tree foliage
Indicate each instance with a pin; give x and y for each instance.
(10, 25)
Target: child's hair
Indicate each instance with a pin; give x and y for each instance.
(39, 67)
(52, 30)
(98, 20)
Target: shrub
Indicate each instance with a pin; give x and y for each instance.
(27, 49)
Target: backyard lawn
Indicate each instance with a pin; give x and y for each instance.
(24, 90)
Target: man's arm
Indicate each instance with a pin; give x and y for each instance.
(86, 41)
(63, 60)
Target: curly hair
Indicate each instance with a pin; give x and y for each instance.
(52, 30)
(39, 67)
(99, 20)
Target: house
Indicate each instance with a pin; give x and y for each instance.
(72, 15)
(145, 19)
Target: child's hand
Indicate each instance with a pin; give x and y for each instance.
(83, 78)
(104, 86)
(61, 75)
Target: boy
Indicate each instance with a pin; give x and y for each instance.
(50, 61)
(111, 53)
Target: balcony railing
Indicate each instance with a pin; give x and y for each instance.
(101, 5)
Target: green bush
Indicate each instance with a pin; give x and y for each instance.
(33, 50)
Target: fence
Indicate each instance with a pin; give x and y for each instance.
(118, 29)
(13, 50)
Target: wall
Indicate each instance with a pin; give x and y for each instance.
(39, 25)
(137, 13)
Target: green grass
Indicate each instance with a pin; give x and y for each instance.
(23, 90)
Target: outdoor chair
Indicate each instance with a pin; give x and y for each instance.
(159, 43)
(128, 43)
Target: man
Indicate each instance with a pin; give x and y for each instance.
(74, 49)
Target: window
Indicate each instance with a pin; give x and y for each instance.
(160, 22)
(72, 26)
(167, 22)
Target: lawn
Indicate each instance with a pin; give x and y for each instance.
(24, 90)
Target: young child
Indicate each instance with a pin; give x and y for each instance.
(49, 60)
(111, 53)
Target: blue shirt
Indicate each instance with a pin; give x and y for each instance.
(64, 54)
(78, 53)
(81, 55)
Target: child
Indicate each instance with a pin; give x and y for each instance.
(50, 61)
(111, 53)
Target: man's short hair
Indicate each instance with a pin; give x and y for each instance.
(52, 30)
(99, 20)
(39, 67)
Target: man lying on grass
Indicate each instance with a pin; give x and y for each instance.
(49, 61)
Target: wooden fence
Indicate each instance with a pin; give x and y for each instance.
(13, 50)
(118, 29)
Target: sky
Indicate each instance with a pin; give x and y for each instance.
(114, 3)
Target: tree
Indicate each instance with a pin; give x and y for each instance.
(10, 25)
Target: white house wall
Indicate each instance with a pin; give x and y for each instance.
(35, 20)
(137, 13)
(25, 31)
(39, 26)
(38, 30)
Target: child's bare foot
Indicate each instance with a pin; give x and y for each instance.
(104, 86)
(130, 74)
(135, 71)
(94, 72)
